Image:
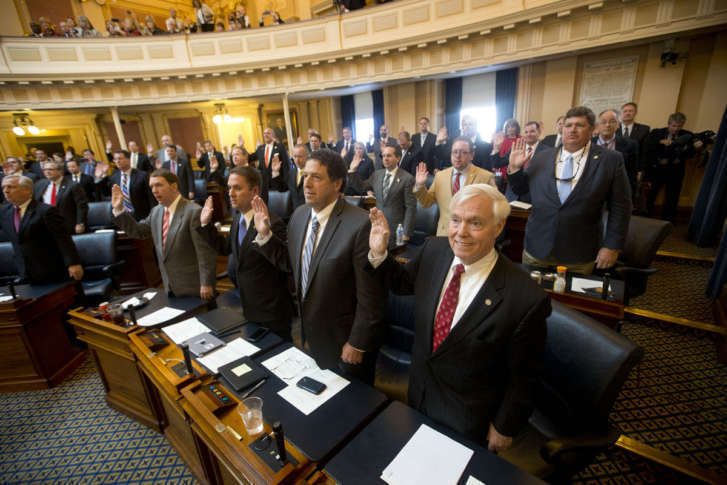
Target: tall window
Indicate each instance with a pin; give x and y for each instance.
(486, 117)
(364, 129)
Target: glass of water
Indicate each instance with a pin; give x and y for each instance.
(251, 411)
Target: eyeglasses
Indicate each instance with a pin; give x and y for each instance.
(609, 122)
(460, 152)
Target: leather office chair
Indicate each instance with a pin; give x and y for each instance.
(101, 270)
(281, 204)
(100, 216)
(584, 368)
(644, 237)
(200, 189)
(392, 369)
(8, 270)
(425, 224)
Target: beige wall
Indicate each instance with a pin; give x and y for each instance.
(10, 20)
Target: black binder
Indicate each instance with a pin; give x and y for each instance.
(220, 320)
(243, 373)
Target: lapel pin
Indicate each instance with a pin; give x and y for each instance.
(488, 302)
(595, 157)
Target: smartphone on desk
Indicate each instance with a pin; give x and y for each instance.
(257, 335)
(311, 385)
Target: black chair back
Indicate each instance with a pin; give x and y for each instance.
(96, 249)
(100, 216)
(643, 240)
(8, 270)
(584, 368)
(200, 189)
(425, 224)
(280, 203)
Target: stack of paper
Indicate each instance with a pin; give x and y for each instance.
(580, 285)
(232, 351)
(135, 301)
(520, 205)
(185, 330)
(292, 365)
(160, 316)
(428, 457)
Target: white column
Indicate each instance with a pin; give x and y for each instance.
(288, 127)
(119, 131)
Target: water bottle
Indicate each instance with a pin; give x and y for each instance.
(399, 235)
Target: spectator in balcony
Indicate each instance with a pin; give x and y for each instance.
(220, 27)
(46, 29)
(232, 22)
(274, 15)
(348, 5)
(35, 30)
(204, 16)
(150, 27)
(189, 26)
(130, 25)
(241, 15)
(65, 30)
(85, 29)
(174, 25)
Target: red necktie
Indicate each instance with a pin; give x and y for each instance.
(445, 315)
(165, 228)
(267, 156)
(53, 194)
(16, 219)
(455, 187)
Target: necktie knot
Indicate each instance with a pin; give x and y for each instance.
(315, 224)
(458, 270)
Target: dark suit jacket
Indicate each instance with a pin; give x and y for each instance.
(185, 174)
(481, 157)
(263, 287)
(411, 159)
(43, 247)
(638, 133)
(344, 302)
(427, 148)
(71, 201)
(375, 147)
(629, 149)
(485, 369)
(143, 163)
(549, 140)
(204, 161)
(499, 161)
(676, 153)
(89, 186)
(279, 183)
(139, 191)
(399, 206)
(573, 232)
(296, 190)
(364, 170)
(341, 143)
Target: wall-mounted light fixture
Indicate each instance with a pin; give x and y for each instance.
(221, 114)
(22, 123)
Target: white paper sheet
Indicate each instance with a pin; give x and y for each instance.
(578, 285)
(159, 316)
(150, 294)
(428, 457)
(473, 481)
(135, 301)
(307, 402)
(521, 205)
(6, 297)
(185, 330)
(232, 351)
(291, 365)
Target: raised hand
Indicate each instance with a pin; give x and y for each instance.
(205, 217)
(442, 135)
(149, 148)
(355, 162)
(261, 216)
(276, 164)
(379, 235)
(117, 198)
(109, 145)
(497, 141)
(421, 175)
(518, 156)
(197, 153)
(100, 171)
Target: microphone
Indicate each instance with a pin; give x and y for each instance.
(280, 441)
(604, 289)
(11, 287)
(132, 315)
(187, 358)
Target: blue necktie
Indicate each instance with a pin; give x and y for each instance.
(310, 245)
(565, 186)
(241, 230)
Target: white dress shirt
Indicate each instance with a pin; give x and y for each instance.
(322, 217)
(625, 128)
(392, 176)
(47, 195)
(134, 159)
(580, 157)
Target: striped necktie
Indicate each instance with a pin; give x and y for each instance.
(165, 228)
(310, 246)
(125, 191)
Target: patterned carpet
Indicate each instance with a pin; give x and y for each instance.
(677, 242)
(68, 435)
(675, 402)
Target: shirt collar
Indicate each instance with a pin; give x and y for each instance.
(393, 171)
(478, 265)
(624, 125)
(173, 206)
(24, 206)
(463, 171)
(248, 216)
(533, 146)
(324, 214)
(577, 154)
(606, 142)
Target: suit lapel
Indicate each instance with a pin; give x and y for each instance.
(334, 220)
(477, 312)
(29, 212)
(439, 277)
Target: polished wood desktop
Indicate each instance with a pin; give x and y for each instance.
(35, 350)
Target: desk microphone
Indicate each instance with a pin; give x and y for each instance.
(187, 358)
(604, 289)
(132, 315)
(11, 287)
(280, 441)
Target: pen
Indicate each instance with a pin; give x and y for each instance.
(247, 393)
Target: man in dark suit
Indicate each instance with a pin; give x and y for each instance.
(37, 166)
(569, 188)
(667, 151)
(556, 139)
(61, 192)
(13, 166)
(635, 131)
(410, 156)
(345, 143)
(138, 199)
(186, 261)
(139, 160)
(424, 141)
(272, 159)
(263, 287)
(162, 156)
(482, 149)
(85, 181)
(295, 176)
(340, 304)
(182, 169)
(479, 321)
(44, 250)
(531, 135)
(394, 191)
(209, 152)
(377, 145)
(608, 137)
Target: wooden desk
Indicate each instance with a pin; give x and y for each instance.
(515, 233)
(35, 350)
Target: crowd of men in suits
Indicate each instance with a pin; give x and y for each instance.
(480, 321)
